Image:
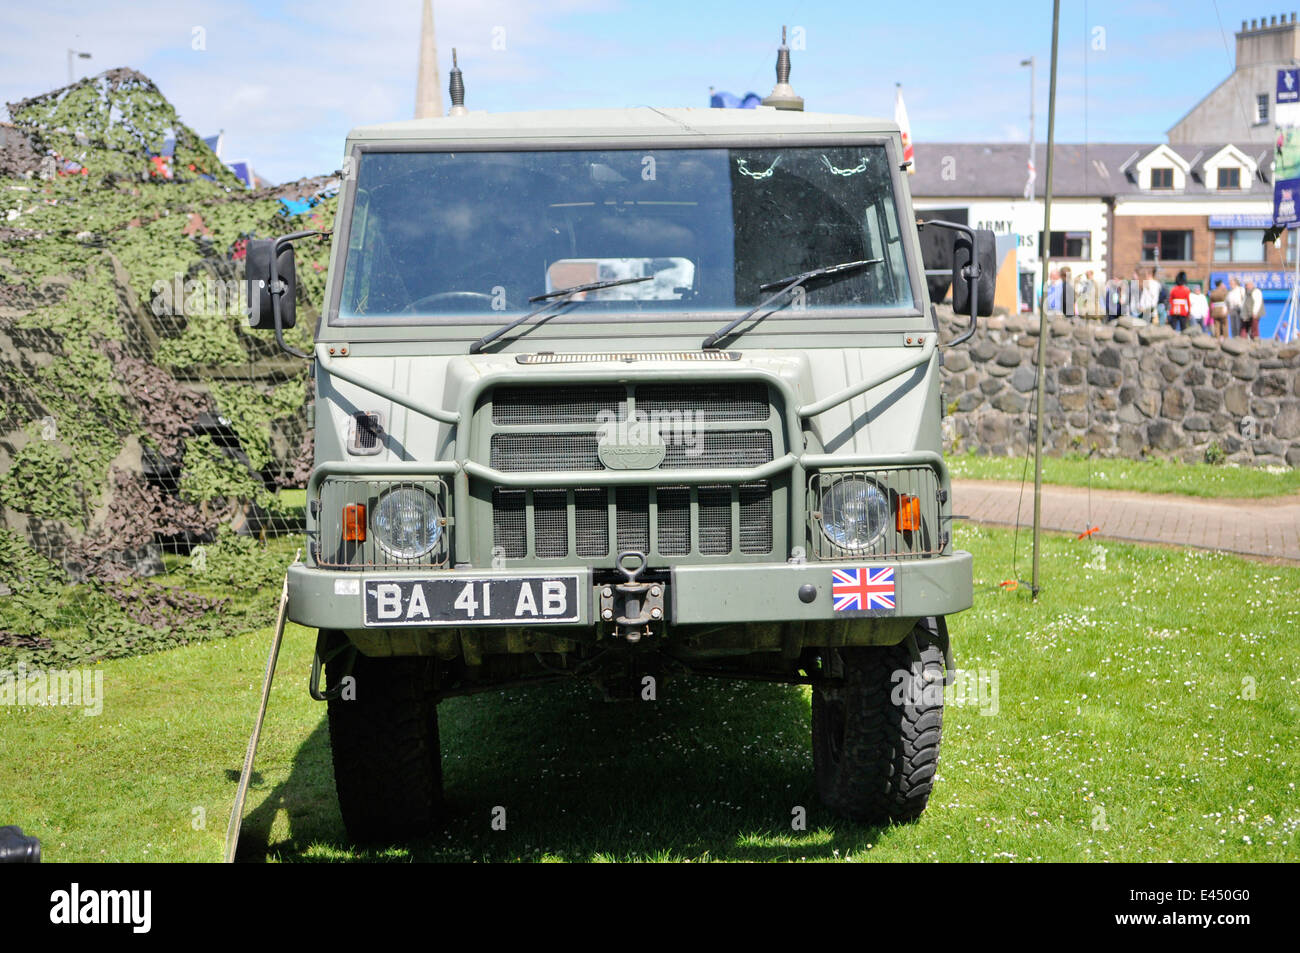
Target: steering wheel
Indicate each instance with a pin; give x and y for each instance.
(464, 296)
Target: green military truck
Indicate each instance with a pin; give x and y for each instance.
(624, 394)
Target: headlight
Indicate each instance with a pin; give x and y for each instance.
(854, 513)
(407, 522)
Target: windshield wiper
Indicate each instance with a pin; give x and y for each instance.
(786, 285)
(551, 298)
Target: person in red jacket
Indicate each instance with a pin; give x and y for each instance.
(1180, 303)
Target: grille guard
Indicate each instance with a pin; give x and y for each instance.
(459, 472)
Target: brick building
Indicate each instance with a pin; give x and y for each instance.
(1199, 203)
(1199, 208)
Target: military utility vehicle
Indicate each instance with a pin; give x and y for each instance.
(628, 394)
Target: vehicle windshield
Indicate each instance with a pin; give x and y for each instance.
(477, 234)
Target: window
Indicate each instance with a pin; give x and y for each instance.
(1069, 245)
(1162, 178)
(476, 234)
(1242, 244)
(1167, 246)
(1261, 108)
(1230, 178)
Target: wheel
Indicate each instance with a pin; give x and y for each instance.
(876, 736)
(387, 759)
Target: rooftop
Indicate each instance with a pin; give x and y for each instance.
(999, 169)
(618, 123)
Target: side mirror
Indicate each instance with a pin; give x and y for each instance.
(936, 256)
(980, 257)
(258, 277)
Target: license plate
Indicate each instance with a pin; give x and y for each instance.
(474, 600)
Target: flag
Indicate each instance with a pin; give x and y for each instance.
(900, 117)
(725, 100)
(1029, 183)
(862, 590)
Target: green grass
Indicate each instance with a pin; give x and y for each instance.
(1137, 476)
(1120, 733)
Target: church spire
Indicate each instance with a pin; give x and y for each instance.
(428, 96)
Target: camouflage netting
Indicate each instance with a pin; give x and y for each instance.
(149, 443)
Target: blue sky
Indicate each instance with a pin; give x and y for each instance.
(286, 80)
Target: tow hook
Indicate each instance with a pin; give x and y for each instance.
(633, 605)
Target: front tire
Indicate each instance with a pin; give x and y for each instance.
(387, 757)
(876, 736)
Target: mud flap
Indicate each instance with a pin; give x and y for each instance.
(938, 626)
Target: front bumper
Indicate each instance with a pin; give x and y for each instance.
(698, 595)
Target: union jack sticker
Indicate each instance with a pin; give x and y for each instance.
(866, 590)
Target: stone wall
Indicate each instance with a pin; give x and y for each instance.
(1123, 391)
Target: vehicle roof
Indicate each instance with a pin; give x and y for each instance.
(636, 122)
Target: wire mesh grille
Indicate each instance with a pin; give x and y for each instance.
(558, 405)
(719, 510)
(755, 518)
(720, 448)
(591, 521)
(695, 424)
(550, 522)
(717, 401)
(545, 451)
(509, 532)
(674, 506)
(633, 518)
(715, 520)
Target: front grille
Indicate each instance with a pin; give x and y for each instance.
(701, 520)
(557, 405)
(632, 517)
(551, 522)
(743, 401)
(720, 448)
(725, 425)
(333, 552)
(545, 451)
(755, 518)
(581, 451)
(674, 520)
(603, 403)
(921, 482)
(591, 522)
(715, 519)
(509, 523)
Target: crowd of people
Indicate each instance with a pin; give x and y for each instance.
(1234, 311)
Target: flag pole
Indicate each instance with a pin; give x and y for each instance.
(1045, 250)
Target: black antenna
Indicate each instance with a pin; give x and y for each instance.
(783, 95)
(456, 88)
(782, 61)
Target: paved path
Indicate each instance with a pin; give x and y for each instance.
(1268, 528)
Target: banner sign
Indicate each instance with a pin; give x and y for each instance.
(1288, 86)
(1286, 160)
(1264, 280)
(1240, 221)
